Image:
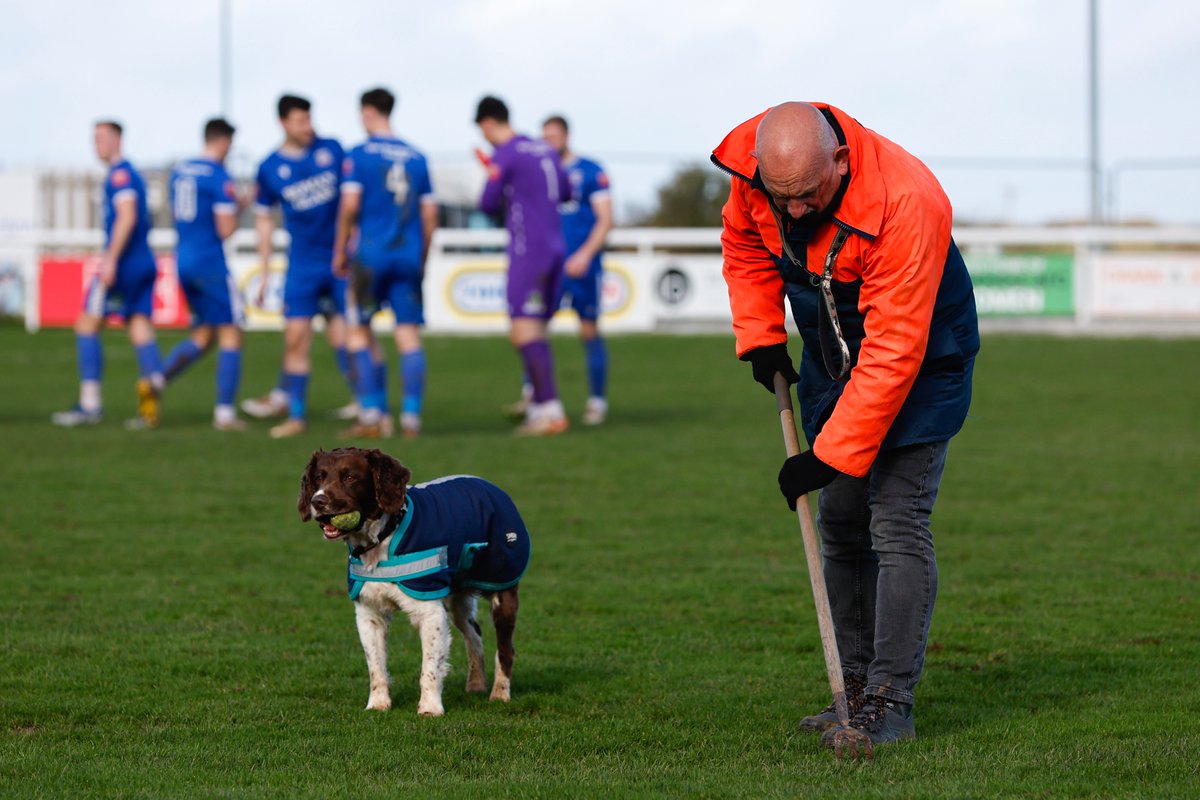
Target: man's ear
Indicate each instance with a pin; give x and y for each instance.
(391, 479)
(841, 159)
(308, 485)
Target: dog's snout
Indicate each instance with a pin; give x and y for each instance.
(320, 503)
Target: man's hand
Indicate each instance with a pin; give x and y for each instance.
(803, 474)
(108, 270)
(766, 361)
(339, 264)
(260, 297)
(577, 264)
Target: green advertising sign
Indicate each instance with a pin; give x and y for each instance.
(1026, 285)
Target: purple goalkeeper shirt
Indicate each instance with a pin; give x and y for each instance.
(526, 180)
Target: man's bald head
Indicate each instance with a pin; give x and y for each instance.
(799, 159)
(793, 133)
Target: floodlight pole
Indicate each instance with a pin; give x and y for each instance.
(226, 56)
(1097, 214)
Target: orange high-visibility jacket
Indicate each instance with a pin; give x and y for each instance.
(899, 220)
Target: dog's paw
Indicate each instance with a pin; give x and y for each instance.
(379, 703)
(430, 708)
(501, 693)
(477, 683)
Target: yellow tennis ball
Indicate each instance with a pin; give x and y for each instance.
(346, 522)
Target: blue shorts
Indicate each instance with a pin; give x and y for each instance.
(132, 293)
(312, 289)
(212, 297)
(398, 285)
(583, 294)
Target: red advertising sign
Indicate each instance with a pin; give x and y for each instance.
(63, 278)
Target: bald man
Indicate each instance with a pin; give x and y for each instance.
(855, 233)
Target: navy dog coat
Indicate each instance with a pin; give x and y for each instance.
(456, 532)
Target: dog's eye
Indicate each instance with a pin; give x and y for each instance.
(348, 478)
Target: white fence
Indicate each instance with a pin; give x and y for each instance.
(1085, 280)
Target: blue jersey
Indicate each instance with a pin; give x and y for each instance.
(124, 181)
(393, 180)
(307, 187)
(200, 189)
(588, 183)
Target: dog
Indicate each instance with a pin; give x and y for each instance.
(428, 550)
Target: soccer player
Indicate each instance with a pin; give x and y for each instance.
(586, 220)
(124, 285)
(204, 206)
(526, 179)
(387, 192)
(302, 176)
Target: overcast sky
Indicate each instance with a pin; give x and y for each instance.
(991, 93)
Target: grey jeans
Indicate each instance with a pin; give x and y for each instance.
(879, 566)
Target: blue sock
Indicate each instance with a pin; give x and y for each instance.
(412, 371)
(149, 360)
(90, 356)
(380, 372)
(369, 397)
(347, 367)
(180, 358)
(229, 374)
(597, 366)
(297, 389)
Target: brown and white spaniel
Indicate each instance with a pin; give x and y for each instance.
(428, 550)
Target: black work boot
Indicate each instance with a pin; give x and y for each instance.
(882, 720)
(817, 723)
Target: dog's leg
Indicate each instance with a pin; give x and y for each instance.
(504, 616)
(372, 632)
(433, 623)
(462, 607)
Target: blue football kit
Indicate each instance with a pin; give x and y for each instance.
(200, 189)
(132, 291)
(306, 186)
(589, 182)
(393, 181)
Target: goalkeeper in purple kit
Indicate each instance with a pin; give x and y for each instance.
(527, 182)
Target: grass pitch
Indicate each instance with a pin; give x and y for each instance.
(171, 629)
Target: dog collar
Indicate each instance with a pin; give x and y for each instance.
(389, 529)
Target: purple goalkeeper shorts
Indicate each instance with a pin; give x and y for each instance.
(534, 288)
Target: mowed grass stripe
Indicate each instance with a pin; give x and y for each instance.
(171, 629)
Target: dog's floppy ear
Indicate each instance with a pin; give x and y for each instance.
(308, 485)
(391, 478)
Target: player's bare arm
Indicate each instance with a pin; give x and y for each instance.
(264, 225)
(578, 262)
(348, 210)
(429, 224)
(125, 219)
(226, 223)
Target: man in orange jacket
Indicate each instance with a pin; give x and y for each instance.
(855, 232)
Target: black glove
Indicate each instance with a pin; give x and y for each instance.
(803, 474)
(766, 361)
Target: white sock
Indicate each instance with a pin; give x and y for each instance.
(551, 409)
(89, 396)
(224, 414)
